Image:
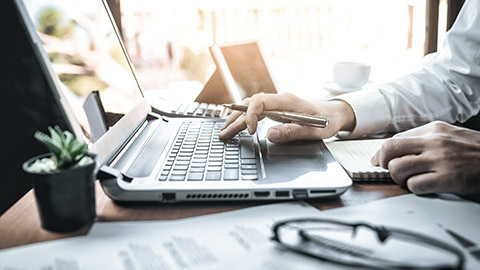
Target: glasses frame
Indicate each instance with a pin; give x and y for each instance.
(382, 232)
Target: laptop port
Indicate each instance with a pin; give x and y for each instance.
(168, 197)
(261, 194)
(282, 194)
(300, 194)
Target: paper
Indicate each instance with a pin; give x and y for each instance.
(426, 215)
(355, 156)
(193, 243)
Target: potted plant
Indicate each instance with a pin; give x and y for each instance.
(63, 181)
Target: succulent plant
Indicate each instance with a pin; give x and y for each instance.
(66, 150)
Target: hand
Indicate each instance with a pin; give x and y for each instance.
(339, 113)
(437, 157)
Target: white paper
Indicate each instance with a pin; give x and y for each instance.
(193, 243)
(425, 215)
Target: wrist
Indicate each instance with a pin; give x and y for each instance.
(344, 114)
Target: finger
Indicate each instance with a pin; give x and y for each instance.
(398, 147)
(292, 132)
(262, 102)
(234, 115)
(374, 160)
(233, 129)
(405, 167)
(425, 183)
(231, 118)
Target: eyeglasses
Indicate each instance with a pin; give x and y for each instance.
(365, 245)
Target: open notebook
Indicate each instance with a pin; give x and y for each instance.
(355, 155)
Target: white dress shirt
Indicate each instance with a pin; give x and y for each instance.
(447, 87)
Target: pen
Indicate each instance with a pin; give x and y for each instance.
(287, 117)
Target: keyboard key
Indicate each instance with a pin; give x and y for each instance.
(214, 163)
(249, 177)
(182, 162)
(244, 172)
(230, 174)
(177, 178)
(214, 168)
(195, 177)
(191, 108)
(213, 176)
(231, 166)
(197, 170)
(187, 146)
(249, 167)
(163, 178)
(248, 161)
(218, 143)
(180, 167)
(179, 172)
(198, 165)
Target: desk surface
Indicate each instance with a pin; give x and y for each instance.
(20, 225)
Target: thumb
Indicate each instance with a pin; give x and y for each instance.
(292, 132)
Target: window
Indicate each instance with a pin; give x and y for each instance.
(168, 40)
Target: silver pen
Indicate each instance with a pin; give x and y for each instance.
(287, 117)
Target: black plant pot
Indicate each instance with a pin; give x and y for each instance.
(65, 199)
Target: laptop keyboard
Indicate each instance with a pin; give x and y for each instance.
(196, 109)
(199, 155)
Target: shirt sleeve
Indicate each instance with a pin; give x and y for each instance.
(447, 87)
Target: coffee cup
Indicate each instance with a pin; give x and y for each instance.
(351, 75)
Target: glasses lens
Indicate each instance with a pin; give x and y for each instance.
(341, 243)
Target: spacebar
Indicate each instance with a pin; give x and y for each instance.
(246, 147)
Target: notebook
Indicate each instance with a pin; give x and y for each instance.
(355, 155)
(148, 156)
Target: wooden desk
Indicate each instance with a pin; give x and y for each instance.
(20, 225)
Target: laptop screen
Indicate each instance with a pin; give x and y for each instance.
(248, 68)
(86, 54)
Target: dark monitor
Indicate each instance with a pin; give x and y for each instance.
(27, 104)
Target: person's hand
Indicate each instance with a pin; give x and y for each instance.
(434, 158)
(339, 113)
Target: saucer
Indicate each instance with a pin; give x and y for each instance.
(335, 89)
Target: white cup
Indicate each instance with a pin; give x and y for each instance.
(351, 75)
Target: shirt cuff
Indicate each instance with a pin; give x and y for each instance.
(372, 113)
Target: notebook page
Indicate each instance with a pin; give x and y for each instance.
(355, 155)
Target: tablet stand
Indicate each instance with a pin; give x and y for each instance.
(214, 91)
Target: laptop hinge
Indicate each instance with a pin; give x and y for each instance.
(107, 172)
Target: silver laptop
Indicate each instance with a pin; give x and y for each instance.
(146, 156)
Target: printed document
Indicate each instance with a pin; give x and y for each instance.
(193, 243)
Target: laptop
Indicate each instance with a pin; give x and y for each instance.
(241, 71)
(147, 156)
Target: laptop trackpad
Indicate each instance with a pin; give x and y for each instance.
(297, 148)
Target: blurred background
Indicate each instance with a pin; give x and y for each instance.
(301, 40)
